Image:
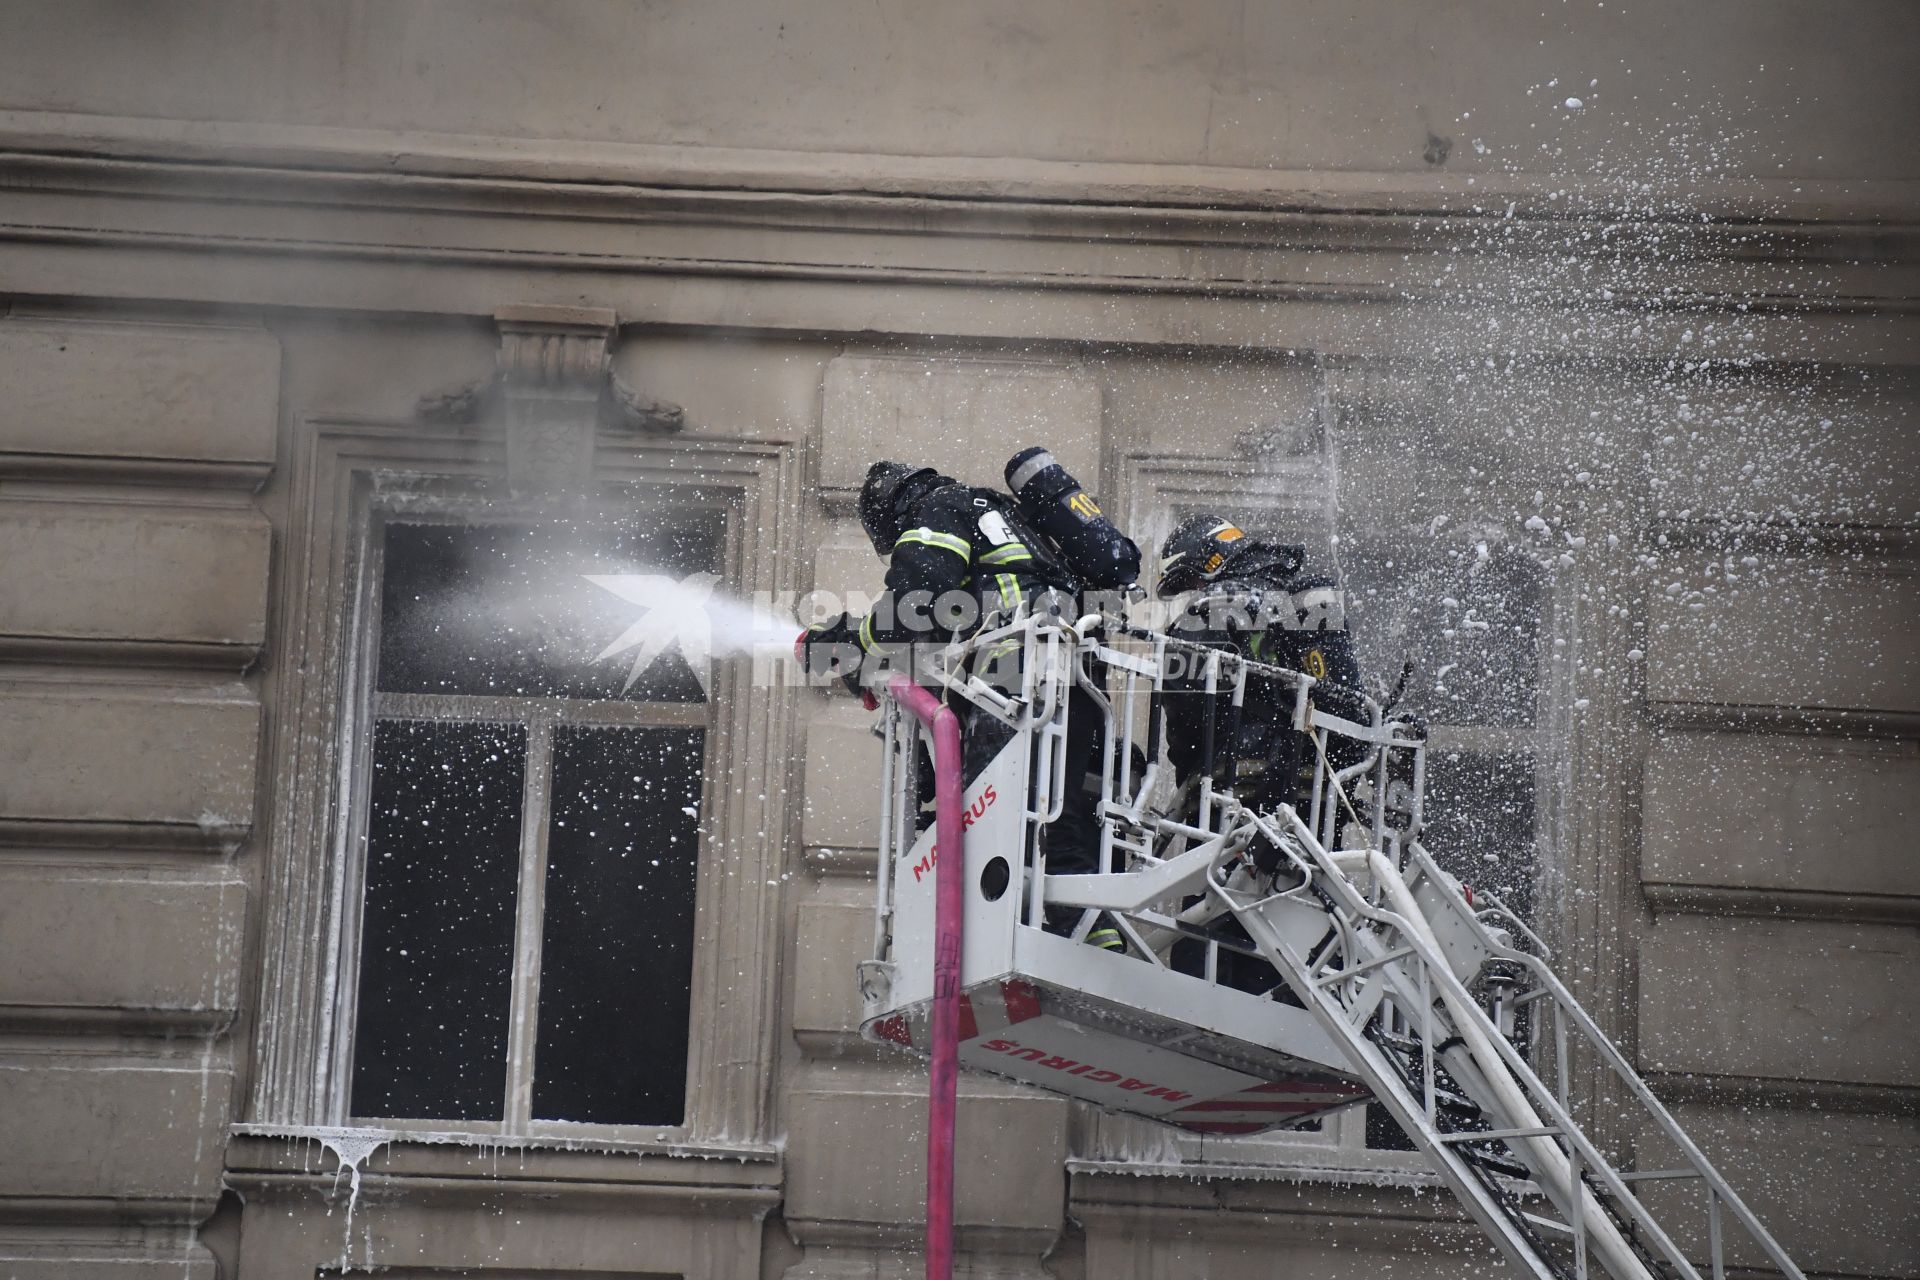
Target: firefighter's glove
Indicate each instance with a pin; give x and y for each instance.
(832, 648)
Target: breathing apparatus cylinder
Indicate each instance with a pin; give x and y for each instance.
(1098, 553)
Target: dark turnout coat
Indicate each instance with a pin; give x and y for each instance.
(1266, 607)
(964, 555)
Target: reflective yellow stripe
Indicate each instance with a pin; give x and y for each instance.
(928, 537)
(1009, 587)
(866, 633)
(1007, 553)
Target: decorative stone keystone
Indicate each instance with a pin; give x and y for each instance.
(552, 386)
(554, 365)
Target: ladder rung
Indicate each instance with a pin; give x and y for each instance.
(1364, 966)
(1548, 1224)
(1544, 1131)
(1651, 1174)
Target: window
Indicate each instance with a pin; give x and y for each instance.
(1474, 625)
(712, 505)
(1471, 619)
(531, 830)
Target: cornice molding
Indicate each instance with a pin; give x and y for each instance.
(1844, 257)
(1211, 189)
(73, 468)
(449, 1162)
(1837, 722)
(1001, 250)
(1374, 1213)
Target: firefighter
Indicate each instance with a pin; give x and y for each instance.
(1256, 599)
(962, 559)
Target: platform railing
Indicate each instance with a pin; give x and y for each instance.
(1144, 820)
(1174, 863)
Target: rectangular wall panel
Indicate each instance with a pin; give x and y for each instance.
(123, 1127)
(116, 938)
(1789, 999)
(1836, 1189)
(861, 1156)
(1781, 811)
(1786, 632)
(842, 777)
(830, 938)
(97, 572)
(97, 389)
(1799, 449)
(82, 755)
(965, 417)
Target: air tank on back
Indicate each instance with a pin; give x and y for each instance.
(1097, 552)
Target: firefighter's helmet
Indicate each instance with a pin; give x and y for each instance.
(880, 513)
(1195, 552)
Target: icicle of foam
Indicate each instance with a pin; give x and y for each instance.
(351, 1148)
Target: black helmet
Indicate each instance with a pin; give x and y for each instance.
(1195, 552)
(880, 500)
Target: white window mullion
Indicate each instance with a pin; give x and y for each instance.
(529, 925)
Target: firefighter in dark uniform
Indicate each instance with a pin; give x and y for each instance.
(1256, 599)
(963, 559)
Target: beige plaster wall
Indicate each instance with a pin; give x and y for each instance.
(1338, 88)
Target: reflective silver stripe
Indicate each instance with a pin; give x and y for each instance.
(945, 541)
(1007, 554)
(1028, 470)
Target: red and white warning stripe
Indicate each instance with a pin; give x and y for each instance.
(1263, 1106)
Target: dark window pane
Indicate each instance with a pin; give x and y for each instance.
(1480, 822)
(436, 950)
(616, 971)
(1384, 1132)
(1471, 625)
(506, 610)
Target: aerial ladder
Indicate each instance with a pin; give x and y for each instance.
(1390, 981)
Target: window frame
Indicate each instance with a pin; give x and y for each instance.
(538, 716)
(344, 470)
(1301, 489)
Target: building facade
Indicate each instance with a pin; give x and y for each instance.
(356, 915)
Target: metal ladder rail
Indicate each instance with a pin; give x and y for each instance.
(1384, 1078)
(1619, 1201)
(1567, 1010)
(1580, 1153)
(1420, 979)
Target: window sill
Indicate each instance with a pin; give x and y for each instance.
(1388, 1170)
(331, 1153)
(1369, 1210)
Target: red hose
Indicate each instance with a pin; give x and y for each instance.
(949, 793)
